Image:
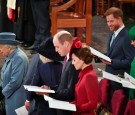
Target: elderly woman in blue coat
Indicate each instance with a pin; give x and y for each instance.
(13, 72)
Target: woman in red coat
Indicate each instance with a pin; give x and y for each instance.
(86, 90)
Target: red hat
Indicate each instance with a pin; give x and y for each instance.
(76, 45)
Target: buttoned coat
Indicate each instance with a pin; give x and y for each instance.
(13, 74)
(86, 92)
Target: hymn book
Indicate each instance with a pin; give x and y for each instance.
(128, 81)
(99, 54)
(57, 104)
(37, 89)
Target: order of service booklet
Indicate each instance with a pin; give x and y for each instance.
(21, 111)
(57, 104)
(37, 89)
(128, 81)
(99, 54)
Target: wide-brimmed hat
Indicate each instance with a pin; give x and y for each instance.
(47, 49)
(131, 33)
(8, 38)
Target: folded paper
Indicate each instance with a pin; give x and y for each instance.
(58, 104)
(128, 81)
(37, 89)
(21, 111)
(99, 54)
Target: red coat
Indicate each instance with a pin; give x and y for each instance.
(86, 92)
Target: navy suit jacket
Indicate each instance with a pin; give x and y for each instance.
(121, 52)
(46, 74)
(66, 88)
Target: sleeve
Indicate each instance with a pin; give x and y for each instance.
(17, 76)
(66, 89)
(34, 82)
(32, 69)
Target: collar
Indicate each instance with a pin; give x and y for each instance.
(85, 70)
(117, 31)
(67, 56)
(11, 55)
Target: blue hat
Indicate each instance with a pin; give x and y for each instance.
(8, 38)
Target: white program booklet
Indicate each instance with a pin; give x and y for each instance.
(37, 89)
(128, 84)
(128, 81)
(57, 104)
(112, 77)
(21, 111)
(129, 77)
(99, 54)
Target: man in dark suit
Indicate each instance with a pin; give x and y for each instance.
(119, 48)
(40, 9)
(63, 41)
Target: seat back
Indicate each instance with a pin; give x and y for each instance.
(79, 18)
(104, 87)
(103, 96)
(130, 109)
(118, 102)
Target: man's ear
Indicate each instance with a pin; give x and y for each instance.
(66, 43)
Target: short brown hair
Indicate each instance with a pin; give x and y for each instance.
(84, 54)
(115, 11)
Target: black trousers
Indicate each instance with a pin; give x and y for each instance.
(41, 15)
(5, 24)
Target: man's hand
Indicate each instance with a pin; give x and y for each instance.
(105, 62)
(43, 93)
(27, 104)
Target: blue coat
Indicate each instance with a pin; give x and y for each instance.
(12, 74)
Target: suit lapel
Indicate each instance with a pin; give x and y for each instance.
(67, 65)
(115, 42)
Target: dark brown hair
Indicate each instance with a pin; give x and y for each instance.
(115, 11)
(84, 54)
